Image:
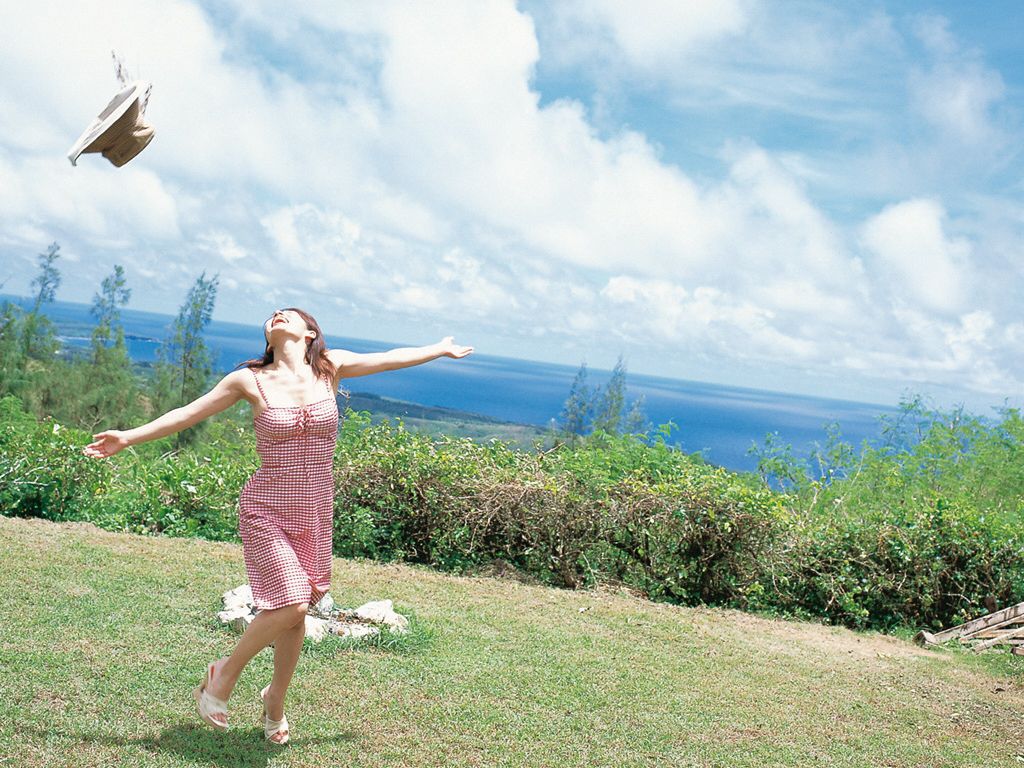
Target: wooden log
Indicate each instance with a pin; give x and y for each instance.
(1005, 641)
(970, 627)
(995, 631)
(1007, 635)
(1017, 650)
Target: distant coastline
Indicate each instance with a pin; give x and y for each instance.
(488, 396)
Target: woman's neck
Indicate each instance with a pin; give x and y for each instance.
(290, 355)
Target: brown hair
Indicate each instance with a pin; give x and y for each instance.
(316, 350)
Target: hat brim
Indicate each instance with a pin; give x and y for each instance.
(116, 109)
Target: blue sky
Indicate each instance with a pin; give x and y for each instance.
(814, 197)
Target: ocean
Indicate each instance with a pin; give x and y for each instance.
(722, 422)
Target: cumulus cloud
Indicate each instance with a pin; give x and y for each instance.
(707, 316)
(916, 258)
(40, 191)
(654, 34)
(406, 169)
(971, 349)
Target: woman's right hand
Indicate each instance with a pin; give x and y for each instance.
(106, 444)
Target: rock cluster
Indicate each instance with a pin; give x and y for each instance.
(322, 619)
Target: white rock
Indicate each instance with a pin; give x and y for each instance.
(383, 612)
(354, 630)
(238, 608)
(230, 614)
(316, 628)
(239, 611)
(237, 597)
(325, 604)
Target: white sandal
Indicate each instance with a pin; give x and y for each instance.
(210, 705)
(273, 727)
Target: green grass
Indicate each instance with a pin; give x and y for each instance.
(103, 636)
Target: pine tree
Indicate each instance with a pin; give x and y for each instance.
(578, 407)
(602, 409)
(106, 308)
(106, 390)
(636, 421)
(608, 412)
(38, 339)
(185, 365)
(11, 348)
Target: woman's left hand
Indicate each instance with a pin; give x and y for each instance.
(106, 444)
(450, 349)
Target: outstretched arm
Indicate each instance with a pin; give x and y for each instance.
(351, 364)
(227, 392)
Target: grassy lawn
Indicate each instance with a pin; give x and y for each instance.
(104, 635)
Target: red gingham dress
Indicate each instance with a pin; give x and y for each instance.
(285, 511)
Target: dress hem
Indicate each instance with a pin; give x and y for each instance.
(315, 596)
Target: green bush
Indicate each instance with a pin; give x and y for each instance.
(611, 508)
(153, 489)
(701, 537)
(42, 470)
(920, 530)
(933, 564)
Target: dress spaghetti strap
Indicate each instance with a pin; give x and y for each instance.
(260, 387)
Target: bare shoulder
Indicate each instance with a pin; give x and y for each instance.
(339, 357)
(241, 383)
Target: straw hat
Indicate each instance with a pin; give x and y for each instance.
(120, 131)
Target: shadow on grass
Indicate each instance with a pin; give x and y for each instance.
(241, 747)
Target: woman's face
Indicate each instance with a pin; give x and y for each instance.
(287, 322)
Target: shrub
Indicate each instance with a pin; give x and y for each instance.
(923, 530)
(920, 530)
(608, 508)
(42, 470)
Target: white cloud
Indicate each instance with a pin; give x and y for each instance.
(401, 165)
(657, 33)
(222, 244)
(415, 297)
(48, 193)
(916, 259)
(958, 99)
(933, 30)
(312, 241)
(957, 93)
(969, 349)
(706, 56)
(477, 293)
(707, 317)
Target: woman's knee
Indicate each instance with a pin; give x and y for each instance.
(291, 615)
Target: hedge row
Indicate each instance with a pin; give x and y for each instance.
(608, 509)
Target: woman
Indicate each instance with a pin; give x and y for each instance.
(285, 509)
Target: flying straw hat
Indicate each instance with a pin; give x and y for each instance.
(120, 131)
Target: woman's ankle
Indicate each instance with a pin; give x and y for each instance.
(223, 680)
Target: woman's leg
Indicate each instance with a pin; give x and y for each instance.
(287, 648)
(265, 629)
